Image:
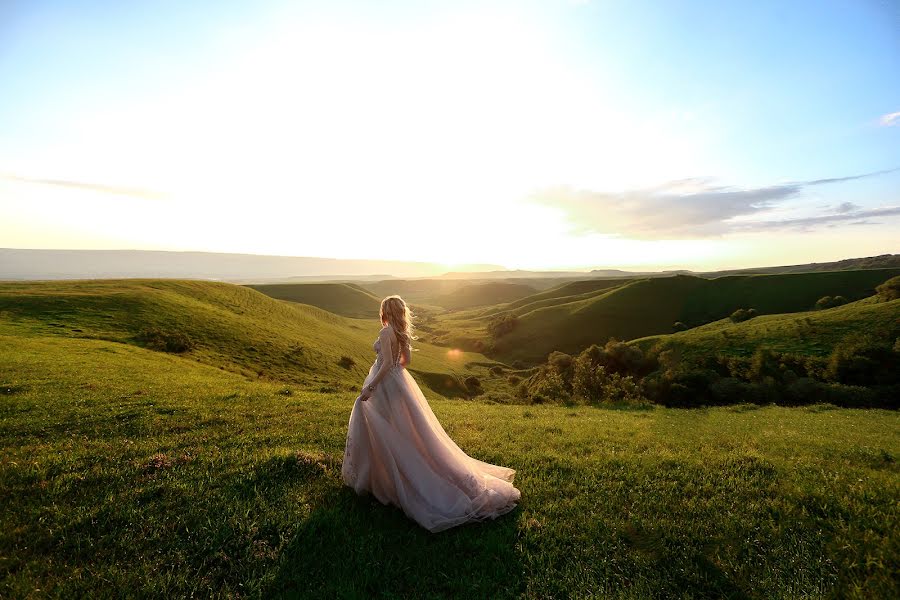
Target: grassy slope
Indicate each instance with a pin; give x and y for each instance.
(346, 299)
(650, 307)
(812, 333)
(480, 294)
(234, 328)
(568, 292)
(123, 468)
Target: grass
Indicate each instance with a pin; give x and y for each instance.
(345, 299)
(125, 470)
(232, 327)
(645, 307)
(810, 333)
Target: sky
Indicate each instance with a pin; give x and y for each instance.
(550, 134)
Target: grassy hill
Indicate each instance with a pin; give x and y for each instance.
(650, 307)
(231, 327)
(813, 333)
(346, 299)
(570, 291)
(480, 294)
(128, 469)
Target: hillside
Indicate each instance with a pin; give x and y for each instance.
(228, 326)
(567, 292)
(128, 469)
(346, 299)
(480, 294)
(651, 307)
(813, 333)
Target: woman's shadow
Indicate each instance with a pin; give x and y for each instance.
(353, 546)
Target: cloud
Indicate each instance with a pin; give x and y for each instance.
(856, 217)
(96, 187)
(845, 207)
(692, 207)
(890, 119)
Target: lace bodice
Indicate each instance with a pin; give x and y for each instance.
(377, 347)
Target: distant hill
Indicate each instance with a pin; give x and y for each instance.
(481, 294)
(882, 261)
(21, 264)
(346, 299)
(650, 306)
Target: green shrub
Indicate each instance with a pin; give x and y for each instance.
(161, 340)
(743, 314)
(863, 359)
(830, 302)
(890, 289)
(500, 325)
(346, 362)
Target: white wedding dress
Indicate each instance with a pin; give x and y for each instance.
(399, 452)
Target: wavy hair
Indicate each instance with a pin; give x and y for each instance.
(396, 313)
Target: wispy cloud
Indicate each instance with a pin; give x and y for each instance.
(693, 207)
(96, 187)
(890, 119)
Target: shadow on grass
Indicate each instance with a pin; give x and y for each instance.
(352, 546)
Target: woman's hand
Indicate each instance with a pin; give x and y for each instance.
(365, 395)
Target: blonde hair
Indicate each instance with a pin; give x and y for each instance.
(396, 313)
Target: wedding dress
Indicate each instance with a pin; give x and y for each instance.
(398, 451)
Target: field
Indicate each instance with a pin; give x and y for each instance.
(192, 474)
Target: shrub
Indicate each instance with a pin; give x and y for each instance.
(500, 325)
(593, 384)
(513, 379)
(346, 362)
(473, 383)
(743, 314)
(863, 360)
(155, 338)
(890, 289)
(496, 370)
(679, 326)
(830, 302)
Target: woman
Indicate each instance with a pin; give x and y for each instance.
(397, 450)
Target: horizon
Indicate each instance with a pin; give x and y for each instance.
(538, 136)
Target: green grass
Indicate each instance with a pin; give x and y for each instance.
(125, 470)
(346, 299)
(646, 307)
(810, 333)
(481, 294)
(233, 328)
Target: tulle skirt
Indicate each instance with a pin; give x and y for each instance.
(399, 452)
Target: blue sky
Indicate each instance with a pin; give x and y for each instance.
(554, 134)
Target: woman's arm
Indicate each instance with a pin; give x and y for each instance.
(387, 361)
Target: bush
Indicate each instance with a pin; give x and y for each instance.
(346, 362)
(743, 314)
(473, 383)
(679, 326)
(155, 338)
(830, 302)
(496, 370)
(863, 360)
(593, 384)
(502, 324)
(890, 289)
(620, 358)
(513, 379)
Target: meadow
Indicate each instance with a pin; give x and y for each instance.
(214, 471)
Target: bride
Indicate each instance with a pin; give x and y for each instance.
(399, 452)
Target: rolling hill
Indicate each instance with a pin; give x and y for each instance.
(345, 299)
(481, 294)
(650, 307)
(813, 333)
(228, 326)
